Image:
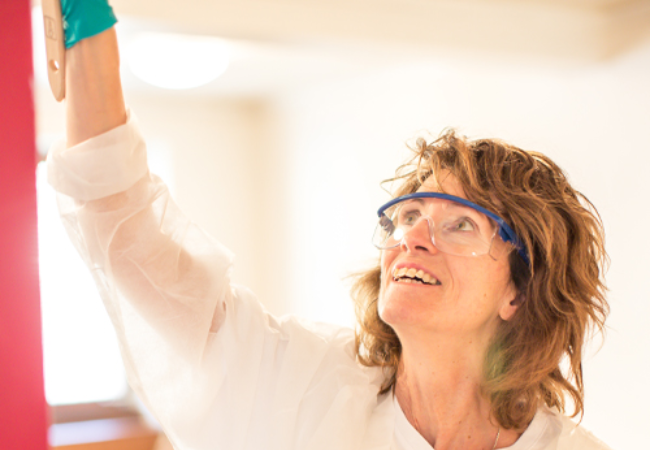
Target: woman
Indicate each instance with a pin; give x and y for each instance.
(501, 316)
(489, 277)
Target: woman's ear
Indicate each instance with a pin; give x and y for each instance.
(508, 309)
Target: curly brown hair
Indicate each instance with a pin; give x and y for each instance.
(563, 288)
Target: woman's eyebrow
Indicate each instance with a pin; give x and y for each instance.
(418, 200)
(469, 210)
(460, 205)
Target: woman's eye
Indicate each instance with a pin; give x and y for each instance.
(464, 225)
(409, 218)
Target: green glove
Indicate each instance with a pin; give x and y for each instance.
(85, 18)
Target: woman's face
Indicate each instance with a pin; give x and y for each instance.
(473, 293)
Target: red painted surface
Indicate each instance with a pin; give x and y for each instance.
(23, 418)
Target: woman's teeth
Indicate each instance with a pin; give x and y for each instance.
(411, 275)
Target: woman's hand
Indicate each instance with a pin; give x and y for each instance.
(85, 18)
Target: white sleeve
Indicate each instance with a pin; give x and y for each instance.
(257, 382)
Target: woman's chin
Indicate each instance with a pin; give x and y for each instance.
(397, 308)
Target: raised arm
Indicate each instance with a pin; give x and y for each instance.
(155, 269)
(121, 218)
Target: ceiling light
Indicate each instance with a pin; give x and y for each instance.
(177, 61)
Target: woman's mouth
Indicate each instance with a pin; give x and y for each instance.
(414, 276)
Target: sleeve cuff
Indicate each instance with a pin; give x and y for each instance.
(101, 166)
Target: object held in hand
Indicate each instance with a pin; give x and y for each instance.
(54, 47)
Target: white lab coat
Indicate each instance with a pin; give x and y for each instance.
(213, 366)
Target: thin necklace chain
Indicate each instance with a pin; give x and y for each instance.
(417, 425)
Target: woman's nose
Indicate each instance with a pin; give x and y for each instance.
(418, 237)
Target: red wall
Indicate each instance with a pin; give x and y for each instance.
(23, 418)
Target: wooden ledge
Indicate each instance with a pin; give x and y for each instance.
(123, 433)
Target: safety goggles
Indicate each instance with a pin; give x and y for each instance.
(456, 225)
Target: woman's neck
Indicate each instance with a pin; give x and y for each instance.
(439, 391)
